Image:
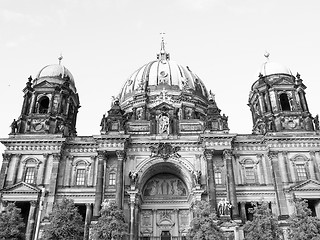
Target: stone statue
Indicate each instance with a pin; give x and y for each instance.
(133, 178)
(103, 123)
(197, 176)
(164, 124)
(224, 207)
(14, 126)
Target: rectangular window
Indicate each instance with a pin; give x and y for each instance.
(301, 171)
(112, 179)
(250, 175)
(30, 175)
(80, 179)
(218, 178)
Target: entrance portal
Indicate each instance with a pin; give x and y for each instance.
(165, 235)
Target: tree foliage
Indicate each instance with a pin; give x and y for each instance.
(264, 225)
(302, 226)
(65, 222)
(205, 225)
(111, 224)
(11, 223)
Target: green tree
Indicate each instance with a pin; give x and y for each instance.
(65, 222)
(302, 226)
(205, 224)
(264, 225)
(111, 224)
(11, 223)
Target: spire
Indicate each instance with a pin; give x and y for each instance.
(163, 56)
(266, 54)
(60, 58)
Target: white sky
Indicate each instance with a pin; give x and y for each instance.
(104, 41)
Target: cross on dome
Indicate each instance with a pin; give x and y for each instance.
(163, 56)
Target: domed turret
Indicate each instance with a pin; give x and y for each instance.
(163, 97)
(50, 103)
(277, 101)
(269, 68)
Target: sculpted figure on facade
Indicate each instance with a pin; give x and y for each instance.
(133, 178)
(164, 124)
(197, 177)
(14, 126)
(316, 122)
(224, 207)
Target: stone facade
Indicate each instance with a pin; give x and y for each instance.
(163, 145)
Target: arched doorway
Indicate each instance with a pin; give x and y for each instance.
(165, 201)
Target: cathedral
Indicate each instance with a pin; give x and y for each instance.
(163, 145)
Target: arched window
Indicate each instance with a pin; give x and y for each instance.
(81, 172)
(284, 102)
(30, 170)
(249, 171)
(43, 105)
(300, 164)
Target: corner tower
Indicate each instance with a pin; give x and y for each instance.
(277, 101)
(50, 103)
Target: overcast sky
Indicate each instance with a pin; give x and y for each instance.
(104, 41)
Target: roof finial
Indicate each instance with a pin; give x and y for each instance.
(60, 58)
(163, 54)
(266, 54)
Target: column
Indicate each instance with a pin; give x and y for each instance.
(303, 101)
(261, 169)
(311, 169)
(42, 170)
(316, 166)
(119, 179)
(268, 103)
(33, 99)
(87, 221)
(227, 157)
(154, 223)
(31, 220)
(4, 169)
(133, 218)
(211, 181)
(262, 103)
(243, 212)
(99, 185)
(16, 168)
(176, 220)
(53, 181)
(283, 170)
(278, 185)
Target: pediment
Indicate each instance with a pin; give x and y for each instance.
(308, 185)
(163, 107)
(21, 187)
(283, 81)
(45, 84)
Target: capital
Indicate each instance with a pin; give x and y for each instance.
(56, 156)
(120, 155)
(208, 153)
(227, 154)
(33, 203)
(273, 155)
(7, 157)
(101, 154)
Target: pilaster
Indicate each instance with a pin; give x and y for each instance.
(227, 157)
(31, 220)
(278, 185)
(99, 185)
(87, 221)
(119, 178)
(211, 181)
(4, 169)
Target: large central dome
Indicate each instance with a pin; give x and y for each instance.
(162, 74)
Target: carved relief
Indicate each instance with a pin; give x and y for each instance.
(165, 186)
(184, 218)
(146, 217)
